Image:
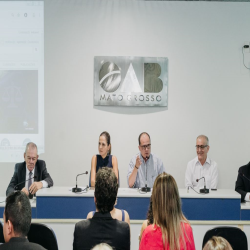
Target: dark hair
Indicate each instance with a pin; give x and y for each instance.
(18, 211)
(106, 188)
(150, 217)
(143, 133)
(107, 136)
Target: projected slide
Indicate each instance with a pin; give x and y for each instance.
(21, 78)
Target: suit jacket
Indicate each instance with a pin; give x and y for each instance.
(242, 184)
(20, 175)
(102, 228)
(19, 243)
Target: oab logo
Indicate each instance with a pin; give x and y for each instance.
(130, 81)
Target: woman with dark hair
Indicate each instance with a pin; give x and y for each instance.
(104, 159)
(170, 230)
(149, 220)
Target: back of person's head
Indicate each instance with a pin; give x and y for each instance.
(106, 188)
(18, 213)
(217, 243)
(102, 246)
(167, 211)
(150, 217)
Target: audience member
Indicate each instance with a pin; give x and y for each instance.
(102, 228)
(119, 214)
(170, 230)
(102, 246)
(149, 220)
(104, 159)
(17, 219)
(217, 243)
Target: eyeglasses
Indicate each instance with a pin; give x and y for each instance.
(201, 146)
(144, 147)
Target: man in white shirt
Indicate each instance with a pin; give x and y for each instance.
(202, 166)
(30, 175)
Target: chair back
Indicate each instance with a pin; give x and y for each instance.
(1, 233)
(235, 236)
(43, 235)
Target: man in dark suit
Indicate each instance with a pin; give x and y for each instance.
(17, 219)
(102, 228)
(242, 184)
(31, 169)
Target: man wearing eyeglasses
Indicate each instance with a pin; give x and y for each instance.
(202, 166)
(145, 166)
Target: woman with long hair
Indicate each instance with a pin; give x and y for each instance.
(104, 158)
(170, 230)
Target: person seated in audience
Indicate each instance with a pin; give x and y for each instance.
(149, 220)
(102, 228)
(17, 219)
(119, 214)
(217, 243)
(102, 246)
(104, 159)
(170, 230)
(242, 185)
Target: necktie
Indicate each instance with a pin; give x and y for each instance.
(30, 180)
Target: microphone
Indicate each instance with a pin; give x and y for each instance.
(146, 188)
(243, 175)
(203, 190)
(76, 189)
(15, 188)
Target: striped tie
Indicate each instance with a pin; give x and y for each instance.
(30, 180)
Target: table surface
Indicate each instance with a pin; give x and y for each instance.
(130, 192)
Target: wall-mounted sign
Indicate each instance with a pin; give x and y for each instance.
(130, 81)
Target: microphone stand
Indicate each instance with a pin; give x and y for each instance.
(76, 189)
(146, 188)
(203, 190)
(30, 195)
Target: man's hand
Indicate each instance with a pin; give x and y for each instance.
(138, 161)
(25, 191)
(35, 187)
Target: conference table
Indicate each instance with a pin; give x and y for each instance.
(61, 203)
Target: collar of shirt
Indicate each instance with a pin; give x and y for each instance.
(27, 171)
(150, 156)
(207, 161)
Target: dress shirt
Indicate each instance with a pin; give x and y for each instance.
(45, 184)
(247, 197)
(153, 166)
(196, 171)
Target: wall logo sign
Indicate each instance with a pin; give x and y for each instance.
(130, 81)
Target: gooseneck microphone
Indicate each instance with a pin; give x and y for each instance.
(243, 175)
(76, 189)
(146, 188)
(203, 190)
(15, 188)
